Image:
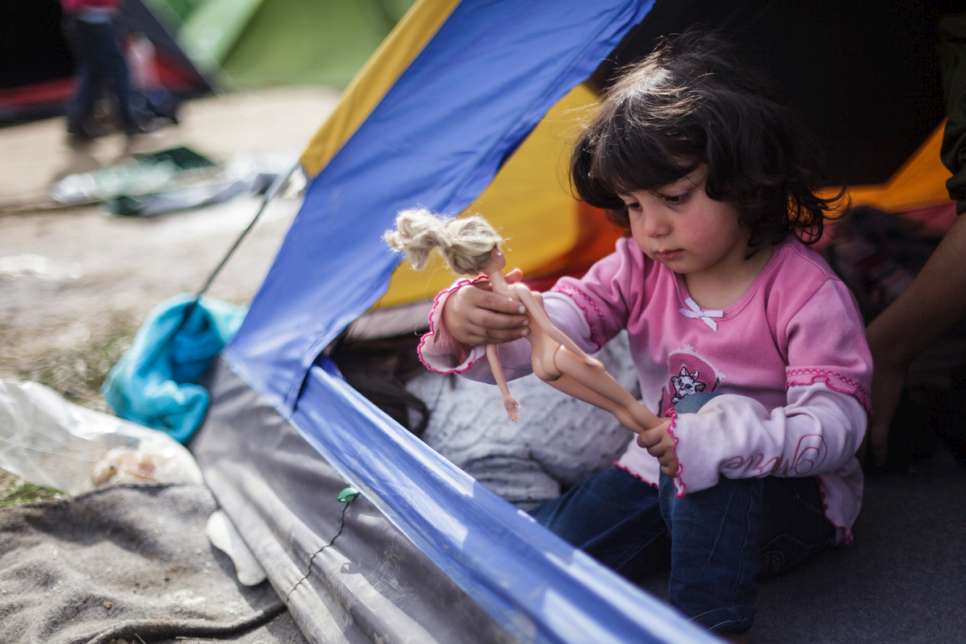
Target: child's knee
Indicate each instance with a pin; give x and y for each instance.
(715, 554)
(729, 500)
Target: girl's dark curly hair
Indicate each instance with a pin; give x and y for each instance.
(690, 103)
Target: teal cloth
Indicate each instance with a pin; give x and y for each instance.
(154, 383)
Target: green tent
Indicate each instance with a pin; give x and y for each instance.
(253, 43)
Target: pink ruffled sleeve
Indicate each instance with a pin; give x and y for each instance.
(441, 353)
(438, 351)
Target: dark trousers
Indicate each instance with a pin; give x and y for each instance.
(100, 64)
(718, 541)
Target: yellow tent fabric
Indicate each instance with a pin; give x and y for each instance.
(919, 183)
(529, 202)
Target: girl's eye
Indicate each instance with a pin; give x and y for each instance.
(633, 207)
(675, 200)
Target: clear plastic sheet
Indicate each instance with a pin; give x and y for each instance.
(49, 441)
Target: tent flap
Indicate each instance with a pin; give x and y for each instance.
(467, 100)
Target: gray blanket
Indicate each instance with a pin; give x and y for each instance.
(129, 563)
(558, 442)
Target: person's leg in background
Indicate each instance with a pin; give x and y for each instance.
(119, 77)
(80, 108)
(101, 64)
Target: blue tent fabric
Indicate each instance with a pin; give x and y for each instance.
(436, 140)
(153, 383)
(532, 582)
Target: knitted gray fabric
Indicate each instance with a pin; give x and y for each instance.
(558, 441)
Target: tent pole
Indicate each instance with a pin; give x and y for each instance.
(273, 190)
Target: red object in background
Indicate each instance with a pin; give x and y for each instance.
(935, 220)
(71, 6)
(36, 63)
(57, 92)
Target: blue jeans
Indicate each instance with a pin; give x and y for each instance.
(718, 541)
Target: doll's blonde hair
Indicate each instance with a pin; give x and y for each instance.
(465, 243)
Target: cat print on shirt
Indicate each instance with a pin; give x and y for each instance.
(686, 383)
(689, 374)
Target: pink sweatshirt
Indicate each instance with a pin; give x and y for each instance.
(789, 359)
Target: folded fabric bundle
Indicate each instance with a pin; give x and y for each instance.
(154, 383)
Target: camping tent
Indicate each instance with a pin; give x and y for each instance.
(444, 116)
(36, 64)
(252, 43)
(435, 555)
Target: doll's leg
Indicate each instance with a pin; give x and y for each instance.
(509, 402)
(573, 387)
(603, 384)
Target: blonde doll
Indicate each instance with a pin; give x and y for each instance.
(471, 246)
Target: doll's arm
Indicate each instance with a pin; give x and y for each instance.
(509, 403)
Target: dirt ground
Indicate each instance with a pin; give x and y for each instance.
(75, 284)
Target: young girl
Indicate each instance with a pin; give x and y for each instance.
(744, 340)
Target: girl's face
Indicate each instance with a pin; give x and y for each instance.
(680, 226)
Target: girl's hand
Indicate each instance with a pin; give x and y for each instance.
(475, 315)
(659, 444)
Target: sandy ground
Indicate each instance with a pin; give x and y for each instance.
(75, 284)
